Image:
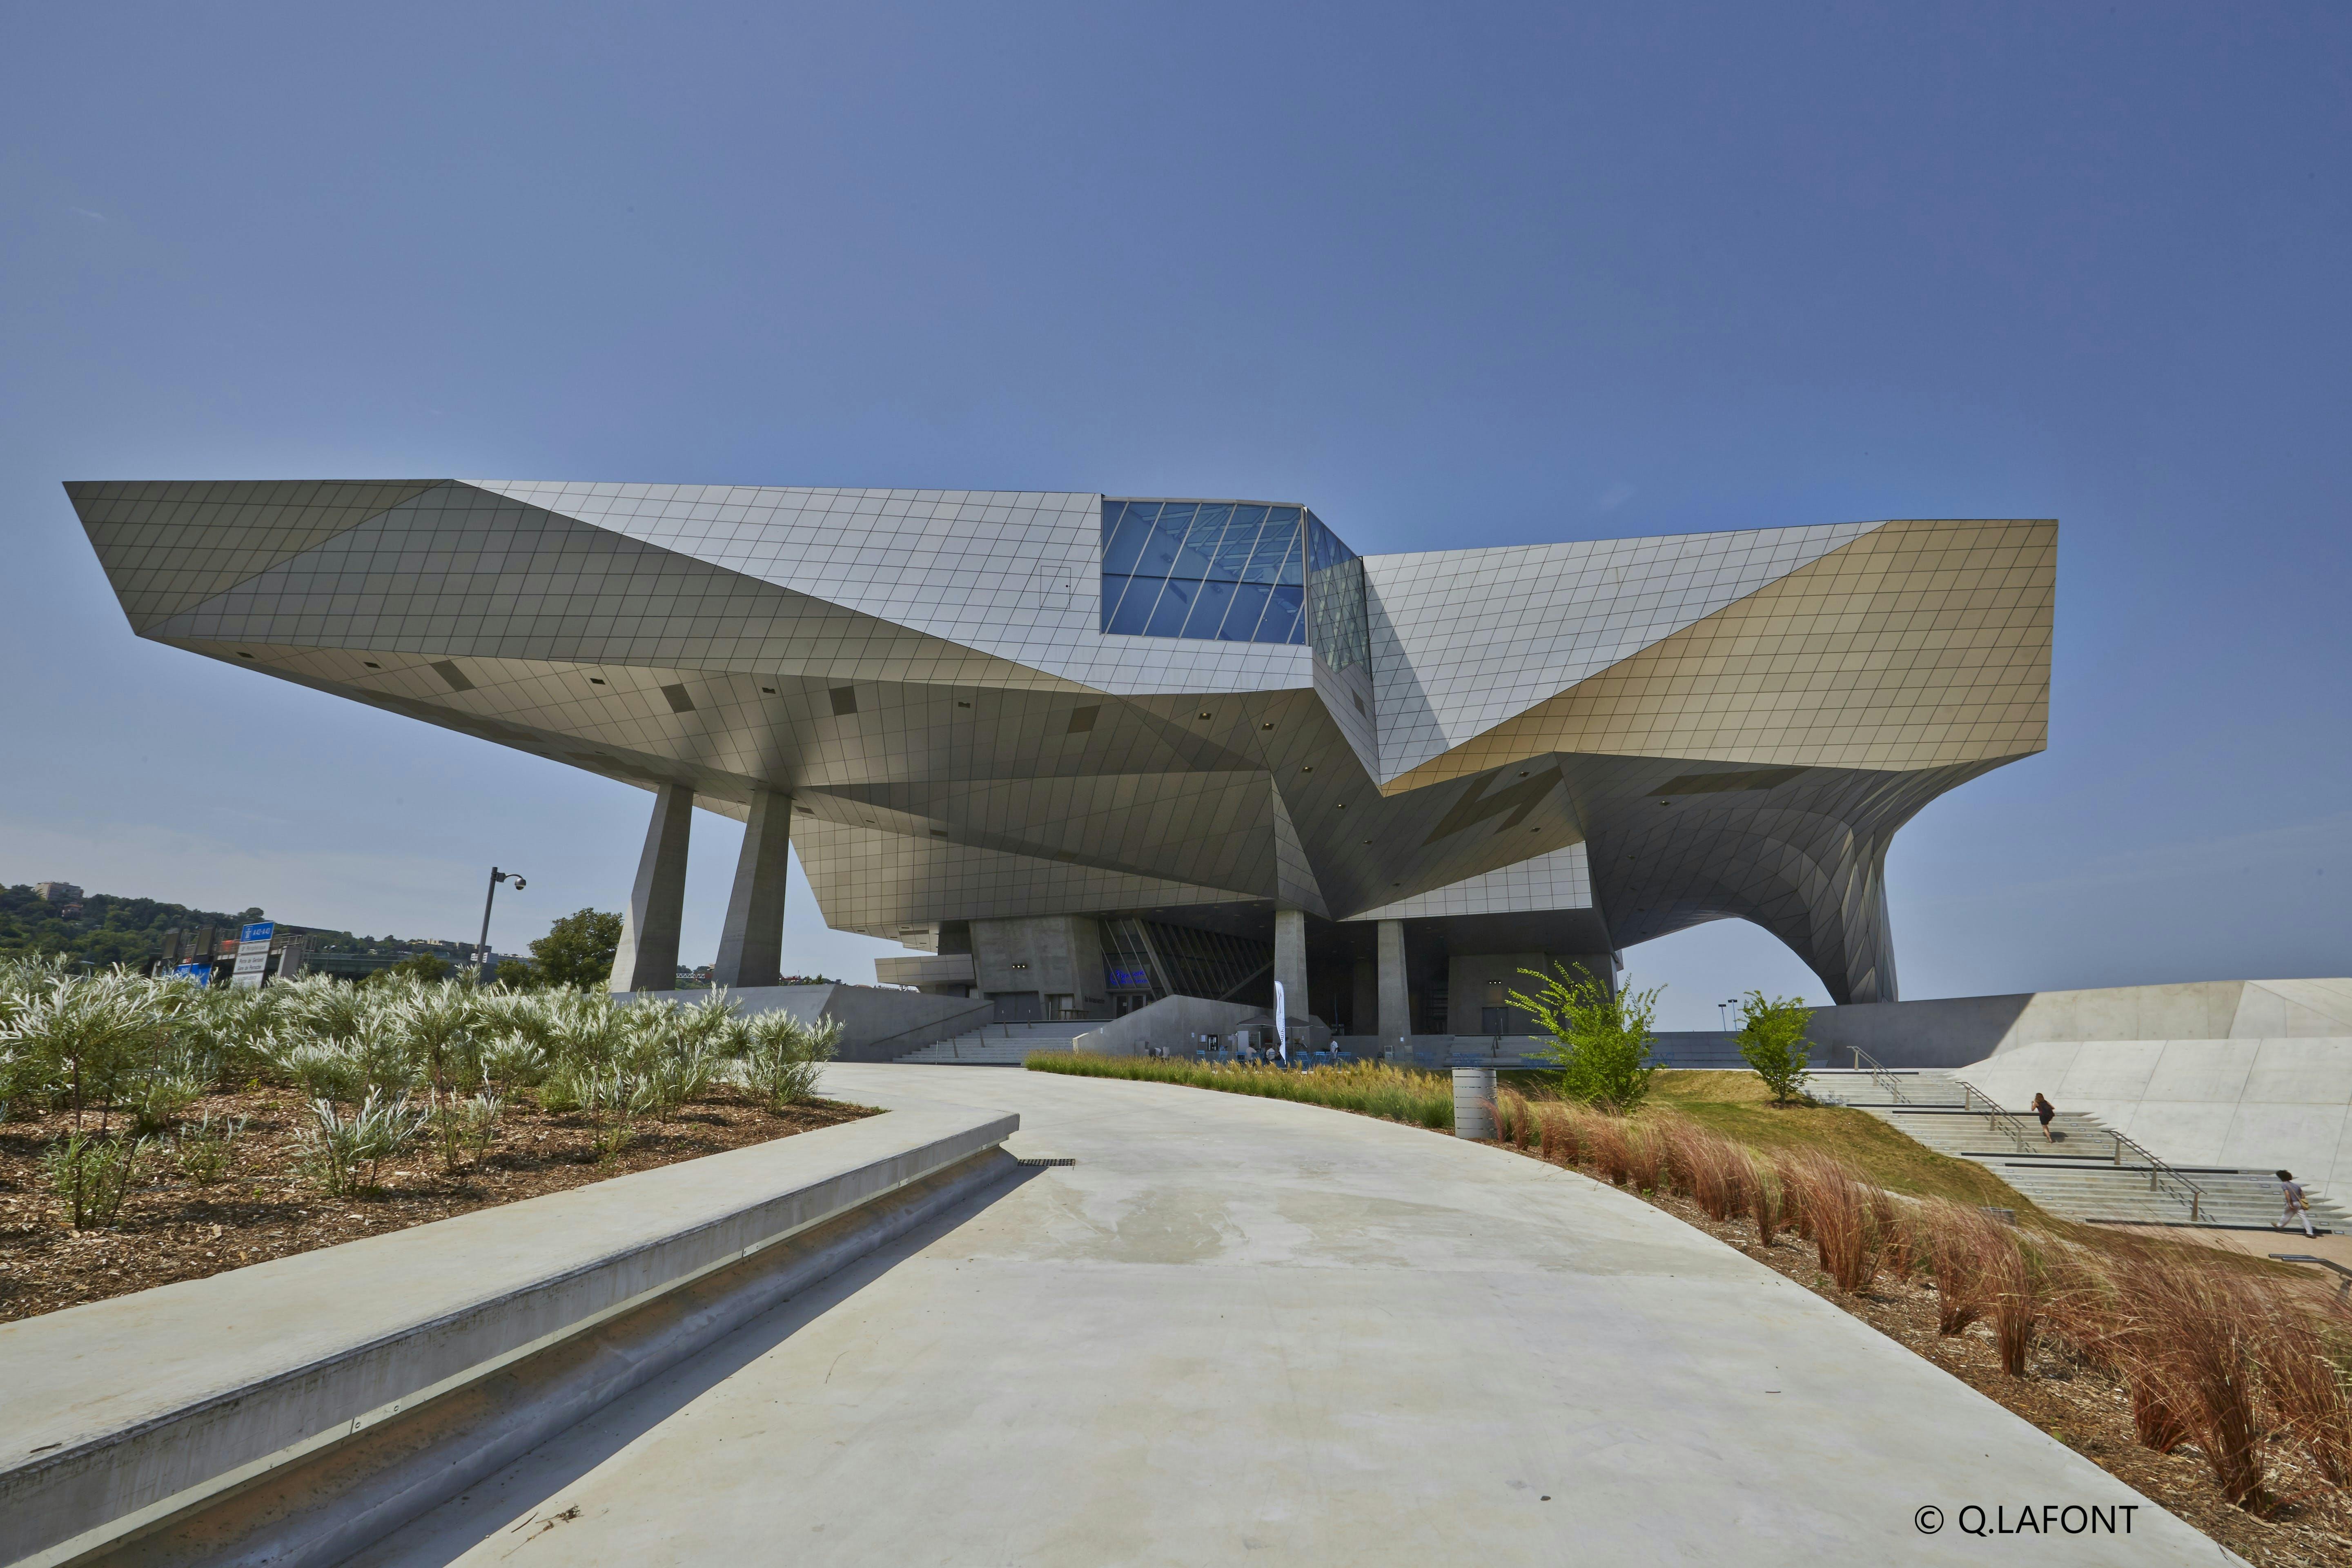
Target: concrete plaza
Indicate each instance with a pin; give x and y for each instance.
(1238, 1328)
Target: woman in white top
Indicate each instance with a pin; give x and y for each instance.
(2297, 1205)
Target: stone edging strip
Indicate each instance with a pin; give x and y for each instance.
(126, 1416)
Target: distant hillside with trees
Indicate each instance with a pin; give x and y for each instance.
(106, 928)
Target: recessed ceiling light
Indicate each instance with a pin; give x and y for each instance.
(1204, 713)
(242, 654)
(372, 664)
(1267, 725)
(1307, 767)
(595, 680)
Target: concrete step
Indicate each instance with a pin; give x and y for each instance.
(2081, 1172)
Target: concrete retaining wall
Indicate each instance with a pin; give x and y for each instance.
(1171, 1021)
(127, 1414)
(1950, 1032)
(878, 1023)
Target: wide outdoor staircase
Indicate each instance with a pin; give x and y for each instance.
(1000, 1045)
(2088, 1172)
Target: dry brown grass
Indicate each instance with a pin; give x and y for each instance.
(2212, 1356)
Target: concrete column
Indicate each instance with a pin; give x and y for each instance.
(1290, 961)
(647, 957)
(1396, 1007)
(1473, 1103)
(752, 945)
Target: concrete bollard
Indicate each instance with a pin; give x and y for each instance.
(1473, 1103)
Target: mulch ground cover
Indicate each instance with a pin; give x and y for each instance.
(2304, 1523)
(264, 1207)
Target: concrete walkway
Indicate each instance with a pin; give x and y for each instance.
(1244, 1329)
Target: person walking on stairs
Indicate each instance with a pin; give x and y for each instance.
(2045, 1111)
(2298, 1206)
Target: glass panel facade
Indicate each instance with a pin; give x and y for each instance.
(1341, 632)
(1231, 571)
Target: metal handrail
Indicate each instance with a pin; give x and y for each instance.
(1996, 1118)
(2160, 1175)
(1864, 1062)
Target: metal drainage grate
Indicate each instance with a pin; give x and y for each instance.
(1045, 1159)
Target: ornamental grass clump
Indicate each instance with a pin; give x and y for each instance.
(2197, 1335)
(1959, 1243)
(1764, 1208)
(1839, 1215)
(2306, 1383)
(1645, 1158)
(1707, 1167)
(1611, 1150)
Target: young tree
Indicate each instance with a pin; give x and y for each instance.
(1772, 1039)
(1599, 1038)
(578, 951)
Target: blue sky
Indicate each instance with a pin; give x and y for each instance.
(1451, 275)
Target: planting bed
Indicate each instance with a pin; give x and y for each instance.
(264, 1207)
(2307, 1524)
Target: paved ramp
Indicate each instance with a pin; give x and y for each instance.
(1241, 1329)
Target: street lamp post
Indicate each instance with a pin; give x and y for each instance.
(482, 948)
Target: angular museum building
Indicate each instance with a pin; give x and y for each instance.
(1081, 751)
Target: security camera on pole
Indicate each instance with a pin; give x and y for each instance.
(482, 948)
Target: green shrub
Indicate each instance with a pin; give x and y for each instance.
(782, 1057)
(1772, 1040)
(206, 1151)
(343, 1154)
(1601, 1038)
(93, 1173)
(322, 1069)
(464, 1130)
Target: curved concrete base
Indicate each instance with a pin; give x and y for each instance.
(1243, 1330)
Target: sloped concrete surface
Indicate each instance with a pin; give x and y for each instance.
(1240, 1329)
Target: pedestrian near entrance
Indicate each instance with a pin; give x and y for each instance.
(2045, 1111)
(2299, 1207)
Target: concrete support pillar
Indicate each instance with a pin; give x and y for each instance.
(647, 957)
(752, 945)
(1290, 961)
(1396, 1006)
